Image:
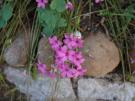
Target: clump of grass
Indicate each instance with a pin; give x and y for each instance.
(19, 17)
(19, 21)
(117, 20)
(117, 15)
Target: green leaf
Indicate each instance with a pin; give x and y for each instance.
(62, 23)
(48, 31)
(2, 23)
(51, 18)
(50, 21)
(41, 15)
(7, 12)
(58, 5)
(129, 12)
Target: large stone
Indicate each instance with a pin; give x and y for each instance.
(45, 53)
(103, 90)
(101, 55)
(16, 53)
(41, 89)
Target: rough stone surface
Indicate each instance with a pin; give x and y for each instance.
(101, 55)
(102, 90)
(16, 54)
(41, 89)
(45, 54)
(1, 2)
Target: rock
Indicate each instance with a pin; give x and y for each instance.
(41, 89)
(1, 2)
(101, 55)
(16, 54)
(45, 53)
(102, 90)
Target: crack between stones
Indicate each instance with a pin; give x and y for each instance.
(74, 82)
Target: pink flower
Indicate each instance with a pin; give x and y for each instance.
(71, 56)
(78, 59)
(55, 43)
(68, 59)
(79, 42)
(98, 1)
(51, 75)
(78, 72)
(63, 53)
(69, 41)
(59, 61)
(66, 72)
(43, 70)
(41, 3)
(73, 41)
(81, 71)
(69, 6)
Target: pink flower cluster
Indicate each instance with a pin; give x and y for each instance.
(98, 1)
(68, 59)
(41, 3)
(44, 71)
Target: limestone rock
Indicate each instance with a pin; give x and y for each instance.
(45, 53)
(16, 54)
(102, 90)
(101, 55)
(41, 89)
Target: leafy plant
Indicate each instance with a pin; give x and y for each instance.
(51, 18)
(58, 5)
(5, 14)
(118, 18)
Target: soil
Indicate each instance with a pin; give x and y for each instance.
(8, 92)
